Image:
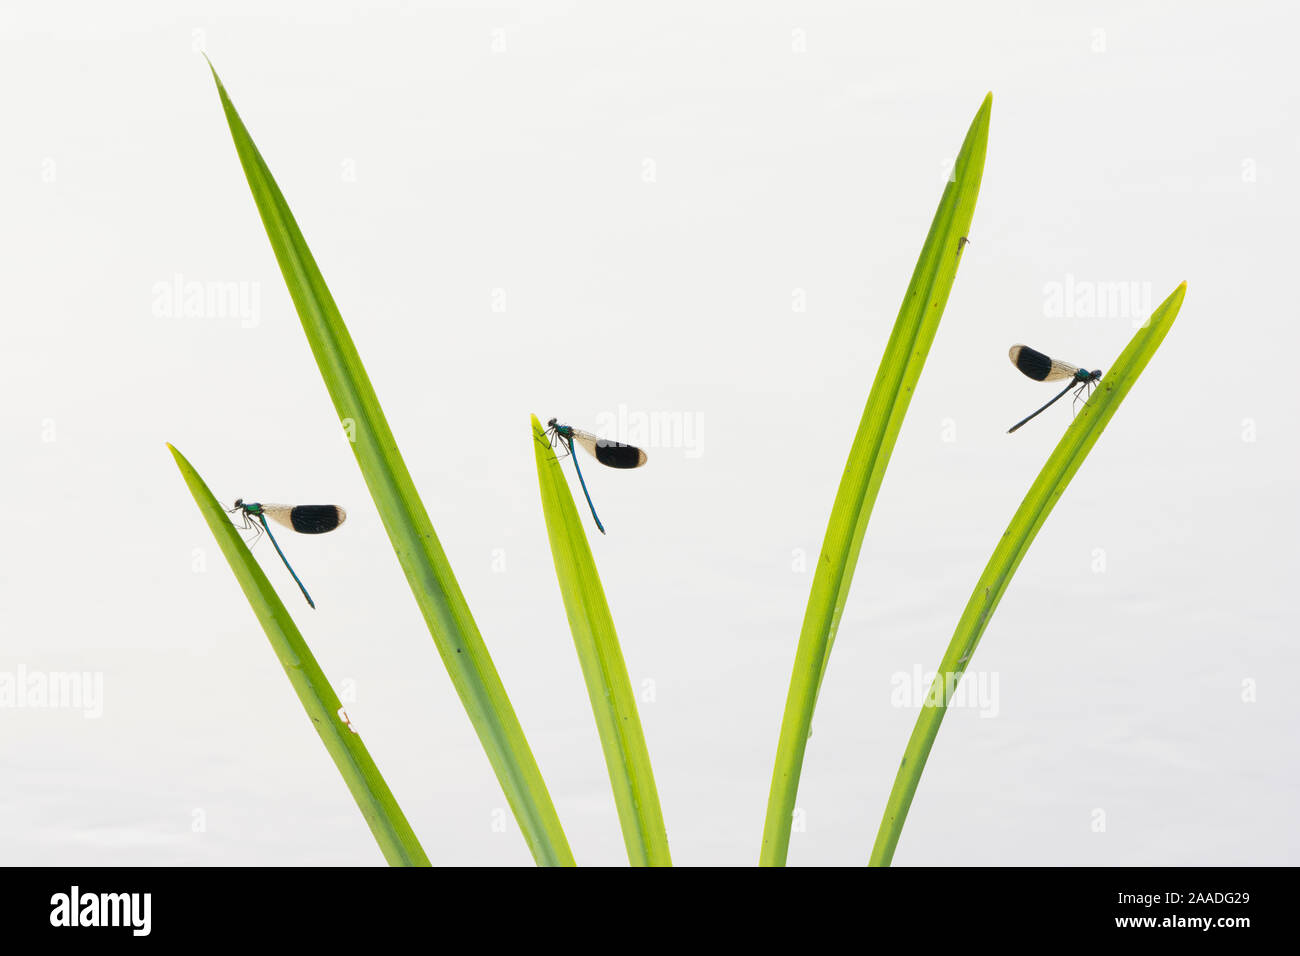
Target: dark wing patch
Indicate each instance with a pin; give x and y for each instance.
(1033, 363)
(617, 455)
(316, 519)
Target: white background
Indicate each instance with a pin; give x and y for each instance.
(789, 147)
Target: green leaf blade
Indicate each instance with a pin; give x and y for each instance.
(404, 516)
(613, 702)
(882, 419)
(378, 806)
(1046, 490)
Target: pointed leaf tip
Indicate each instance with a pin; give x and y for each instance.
(212, 69)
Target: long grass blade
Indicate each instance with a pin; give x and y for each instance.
(403, 513)
(612, 701)
(378, 805)
(900, 369)
(1043, 494)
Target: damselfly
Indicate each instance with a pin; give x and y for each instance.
(305, 519)
(1043, 369)
(612, 453)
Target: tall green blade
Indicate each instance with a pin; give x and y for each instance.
(612, 701)
(407, 522)
(377, 803)
(1043, 494)
(900, 368)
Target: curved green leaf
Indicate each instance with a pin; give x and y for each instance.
(403, 513)
(1043, 494)
(900, 369)
(612, 701)
(378, 806)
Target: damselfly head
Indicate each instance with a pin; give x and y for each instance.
(551, 423)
